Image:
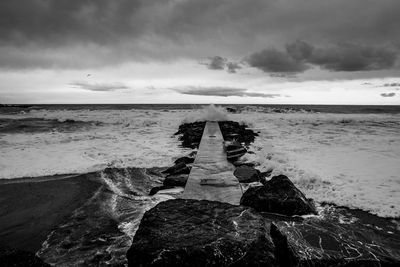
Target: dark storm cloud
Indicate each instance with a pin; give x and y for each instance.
(351, 57)
(272, 60)
(99, 87)
(103, 32)
(222, 91)
(216, 63)
(299, 56)
(388, 94)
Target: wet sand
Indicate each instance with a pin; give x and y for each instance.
(30, 208)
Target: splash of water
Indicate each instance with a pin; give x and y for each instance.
(207, 113)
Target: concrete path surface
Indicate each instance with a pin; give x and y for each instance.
(211, 177)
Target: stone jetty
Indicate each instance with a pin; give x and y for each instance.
(216, 224)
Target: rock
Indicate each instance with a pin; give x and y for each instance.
(179, 168)
(330, 242)
(18, 258)
(185, 160)
(247, 174)
(208, 233)
(233, 131)
(186, 232)
(176, 180)
(234, 150)
(266, 174)
(278, 195)
(154, 190)
(191, 134)
(231, 109)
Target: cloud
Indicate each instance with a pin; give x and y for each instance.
(388, 94)
(391, 84)
(216, 63)
(272, 60)
(299, 56)
(99, 87)
(103, 32)
(233, 66)
(222, 91)
(353, 57)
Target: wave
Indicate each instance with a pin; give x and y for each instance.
(100, 232)
(346, 159)
(34, 125)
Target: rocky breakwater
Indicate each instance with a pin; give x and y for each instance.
(176, 176)
(274, 225)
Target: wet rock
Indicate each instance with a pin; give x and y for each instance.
(247, 174)
(185, 160)
(231, 109)
(179, 168)
(266, 174)
(154, 190)
(234, 150)
(234, 131)
(18, 258)
(176, 180)
(188, 232)
(191, 134)
(330, 242)
(278, 195)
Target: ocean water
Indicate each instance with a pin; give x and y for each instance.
(345, 155)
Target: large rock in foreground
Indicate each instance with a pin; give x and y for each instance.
(340, 237)
(278, 195)
(201, 233)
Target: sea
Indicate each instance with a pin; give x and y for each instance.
(344, 155)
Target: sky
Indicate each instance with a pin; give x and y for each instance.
(200, 51)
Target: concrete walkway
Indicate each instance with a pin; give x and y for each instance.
(211, 177)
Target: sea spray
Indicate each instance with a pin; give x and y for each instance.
(207, 113)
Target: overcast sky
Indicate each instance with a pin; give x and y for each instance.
(200, 51)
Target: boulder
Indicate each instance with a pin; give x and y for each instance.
(278, 195)
(208, 233)
(176, 180)
(186, 232)
(234, 131)
(247, 174)
(179, 168)
(191, 134)
(336, 240)
(185, 160)
(154, 190)
(234, 150)
(19, 258)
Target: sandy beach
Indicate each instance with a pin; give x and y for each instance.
(31, 208)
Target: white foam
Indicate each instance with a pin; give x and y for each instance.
(207, 113)
(126, 138)
(347, 159)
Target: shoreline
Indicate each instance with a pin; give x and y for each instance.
(31, 210)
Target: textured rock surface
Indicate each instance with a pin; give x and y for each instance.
(185, 160)
(191, 134)
(154, 190)
(278, 195)
(234, 131)
(176, 180)
(201, 233)
(208, 233)
(247, 174)
(19, 258)
(180, 168)
(337, 239)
